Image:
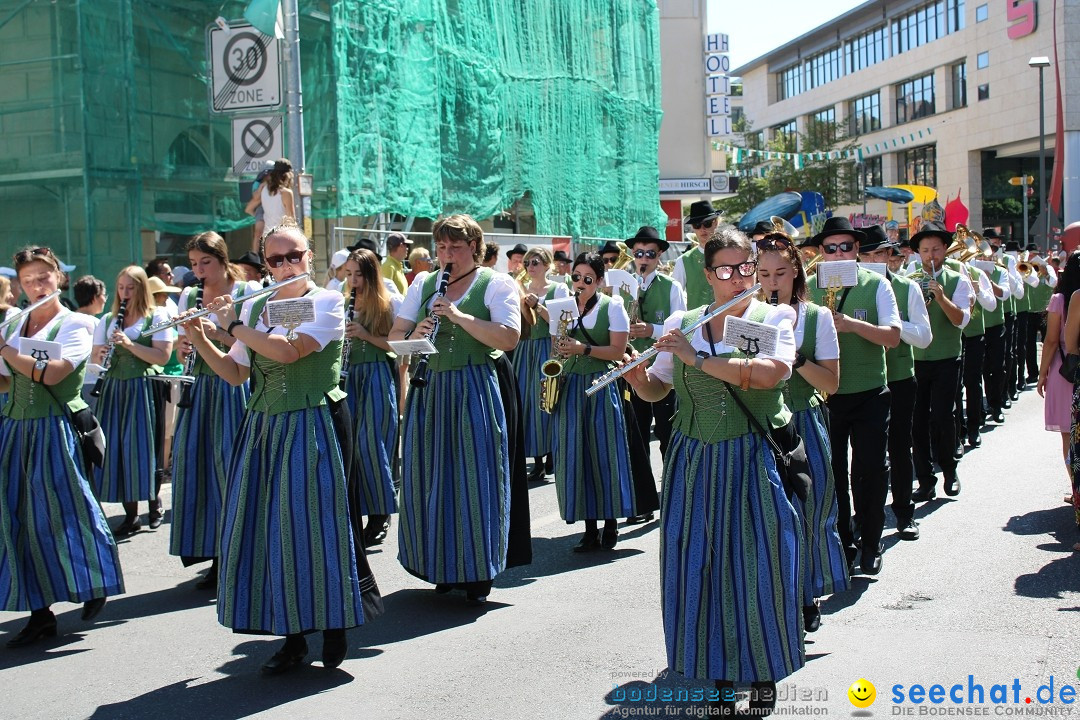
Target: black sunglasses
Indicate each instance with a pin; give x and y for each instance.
(610, 260)
(775, 242)
(724, 272)
(651, 254)
(832, 248)
(294, 257)
(587, 279)
(534, 262)
(704, 223)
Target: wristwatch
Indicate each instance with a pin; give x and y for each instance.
(700, 359)
(39, 368)
(587, 351)
(232, 325)
(800, 360)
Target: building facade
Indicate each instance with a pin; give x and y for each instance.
(937, 93)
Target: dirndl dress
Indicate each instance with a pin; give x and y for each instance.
(372, 397)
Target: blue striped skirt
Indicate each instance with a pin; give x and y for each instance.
(455, 478)
(287, 560)
(55, 545)
(528, 357)
(372, 401)
(825, 571)
(729, 563)
(202, 449)
(593, 478)
(126, 413)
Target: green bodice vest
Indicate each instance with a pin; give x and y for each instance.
(706, 411)
(947, 342)
(600, 334)
(31, 401)
(286, 387)
(900, 360)
(457, 348)
(977, 324)
(655, 307)
(798, 393)
(542, 329)
(862, 363)
(125, 365)
(698, 291)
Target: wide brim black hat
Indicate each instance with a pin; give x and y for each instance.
(560, 256)
(931, 229)
(991, 234)
(1031, 247)
(700, 211)
(876, 239)
(365, 244)
(649, 234)
(518, 249)
(1012, 246)
(837, 226)
(764, 227)
(609, 247)
(249, 258)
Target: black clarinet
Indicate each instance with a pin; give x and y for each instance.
(107, 362)
(346, 345)
(775, 299)
(193, 356)
(419, 378)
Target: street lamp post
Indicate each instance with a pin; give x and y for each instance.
(1042, 62)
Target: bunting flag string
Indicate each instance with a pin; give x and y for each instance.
(740, 154)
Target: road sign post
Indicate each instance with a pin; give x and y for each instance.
(244, 69)
(1024, 181)
(255, 141)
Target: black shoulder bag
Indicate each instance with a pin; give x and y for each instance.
(788, 449)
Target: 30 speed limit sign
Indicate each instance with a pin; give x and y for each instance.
(244, 69)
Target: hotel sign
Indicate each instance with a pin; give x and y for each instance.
(717, 86)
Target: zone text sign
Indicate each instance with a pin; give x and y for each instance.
(244, 69)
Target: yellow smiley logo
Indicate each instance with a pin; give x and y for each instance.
(862, 693)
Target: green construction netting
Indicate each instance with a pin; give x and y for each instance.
(417, 107)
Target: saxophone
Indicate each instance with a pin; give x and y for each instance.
(110, 350)
(346, 345)
(192, 358)
(551, 370)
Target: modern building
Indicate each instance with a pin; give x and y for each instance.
(939, 94)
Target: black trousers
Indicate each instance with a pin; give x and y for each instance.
(861, 419)
(993, 370)
(974, 352)
(933, 435)
(1035, 322)
(1009, 382)
(1016, 380)
(902, 468)
(660, 411)
(959, 422)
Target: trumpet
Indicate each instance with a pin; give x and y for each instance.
(924, 282)
(29, 309)
(192, 358)
(551, 370)
(206, 311)
(609, 377)
(110, 350)
(812, 264)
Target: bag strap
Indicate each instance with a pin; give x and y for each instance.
(754, 421)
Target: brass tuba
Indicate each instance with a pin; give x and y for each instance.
(624, 259)
(551, 370)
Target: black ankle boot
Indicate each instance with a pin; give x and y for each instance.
(209, 580)
(334, 648)
(155, 515)
(291, 655)
(42, 624)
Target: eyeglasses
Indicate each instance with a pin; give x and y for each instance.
(833, 248)
(608, 260)
(775, 242)
(587, 279)
(651, 254)
(724, 272)
(294, 257)
(534, 262)
(703, 224)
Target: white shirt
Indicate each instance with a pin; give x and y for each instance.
(961, 296)
(329, 324)
(618, 320)
(826, 344)
(678, 271)
(75, 335)
(336, 285)
(272, 205)
(984, 294)
(501, 299)
(780, 316)
(676, 300)
(102, 334)
(1015, 280)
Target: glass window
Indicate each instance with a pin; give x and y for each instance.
(984, 91)
(915, 99)
(788, 135)
(822, 127)
(927, 24)
(982, 60)
(919, 166)
(981, 13)
(871, 176)
(864, 114)
(867, 49)
(959, 85)
(789, 82)
(824, 67)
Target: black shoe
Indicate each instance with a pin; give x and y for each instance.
(952, 486)
(155, 516)
(291, 655)
(589, 541)
(375, 532)
(443, 588)
(1015, 395)
(871, 560)
(974, 440)
(209, 580)
(475, 600)
(958, 451)
(549, 464)
(334, 648)
(610, 537)
(130, 526)
(638, 519)
(1007, 403)
(41, 625)
(997, 416)
(924, 494)
(92, 608)
(811, 617)
(536, 474)
(907, 529)
(762, 698)
(1032, 380)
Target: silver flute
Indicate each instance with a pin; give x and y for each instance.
(611, 376)
(29, 309)
(207, 311)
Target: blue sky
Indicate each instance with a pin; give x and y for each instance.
(753, 28)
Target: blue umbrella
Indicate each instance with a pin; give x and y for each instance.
(785, 205)
(890, 194)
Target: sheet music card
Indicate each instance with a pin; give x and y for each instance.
(837, 274)
(753, 338)
(621, 281)
(412, 346)
(41, 349)
(557, 307)
(879, 268)
(290, 314)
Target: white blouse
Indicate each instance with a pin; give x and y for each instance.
(501, 299)
(826, 344)
(618, 319)
(240, 286)
(329, 324)
(161, 315)
(780, 316)
(75, 335)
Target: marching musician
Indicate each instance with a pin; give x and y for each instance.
(563, 266)
(730, 539)
(689, 269)
(601, 470)
(948, 296)
(206, 425)
(867, 323)
(1013, 309)
(127, 406)
(515, 256)
(994, 333)
(973, 354)
(1035, 308)
(57, 543)
(372, 389)
(816, 372)
(7, 309)
(900, 375)
(457, 508)
(531, 354)
(657, 299)
(287, 556)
